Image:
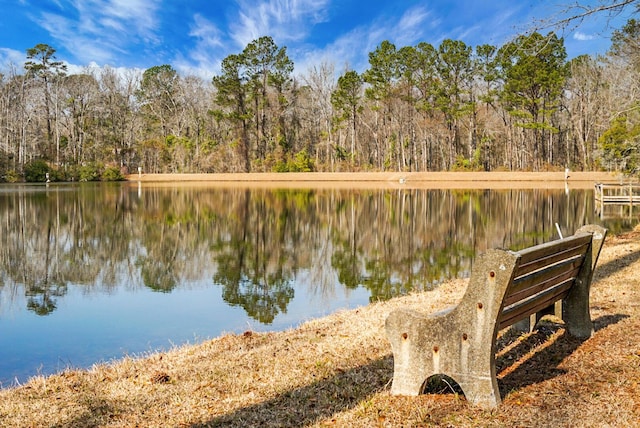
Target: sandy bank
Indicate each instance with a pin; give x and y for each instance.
(435, 180)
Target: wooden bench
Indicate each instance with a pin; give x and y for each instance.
(506, 288)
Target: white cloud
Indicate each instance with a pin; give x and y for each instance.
(205, 32)
(11, 61)
(84, 47)
(203, 60)
(346, 52)
(99, 30)
(351, 50)
(578, 35)
(412, 25)
(284, 20)
(140, 13)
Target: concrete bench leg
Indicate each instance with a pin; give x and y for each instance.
(460, 342)
(575, 308)
(424, 347)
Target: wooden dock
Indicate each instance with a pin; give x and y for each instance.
(623, 195)
(619, 194)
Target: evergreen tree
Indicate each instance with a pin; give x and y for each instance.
(43, 66)
(534, 73)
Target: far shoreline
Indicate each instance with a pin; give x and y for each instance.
(412, 180)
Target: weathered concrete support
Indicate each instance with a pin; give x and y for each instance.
(506, 288)
(459, 343)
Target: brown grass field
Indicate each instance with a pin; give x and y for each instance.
(337, 371)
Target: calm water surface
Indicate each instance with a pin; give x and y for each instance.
(92, 272)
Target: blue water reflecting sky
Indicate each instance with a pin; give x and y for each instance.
(89, 328)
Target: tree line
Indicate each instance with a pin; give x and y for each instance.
(520, 106)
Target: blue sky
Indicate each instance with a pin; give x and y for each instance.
(195, 35)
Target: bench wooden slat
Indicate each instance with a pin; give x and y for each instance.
(550, 260)
(538, 251)
(524, 308)
(534, 282)
(545, 274)
(537, 257)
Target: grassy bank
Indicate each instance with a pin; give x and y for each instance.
(336, 371)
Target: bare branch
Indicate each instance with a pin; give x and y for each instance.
(573, 15)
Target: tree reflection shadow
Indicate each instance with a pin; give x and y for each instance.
(261, 243)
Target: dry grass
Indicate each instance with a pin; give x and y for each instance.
(336, 371)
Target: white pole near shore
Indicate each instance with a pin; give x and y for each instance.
(559, 231)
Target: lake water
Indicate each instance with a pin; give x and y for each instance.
(93, 272)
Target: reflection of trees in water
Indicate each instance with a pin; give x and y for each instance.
(258, 243)
(40, 298)
(261, 299)
(254, 258)
(158, 266)
(56, 236)
(396, 241)
(157, 275)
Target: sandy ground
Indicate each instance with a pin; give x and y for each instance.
(439, 180)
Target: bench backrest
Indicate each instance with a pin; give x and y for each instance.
(544, 274)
